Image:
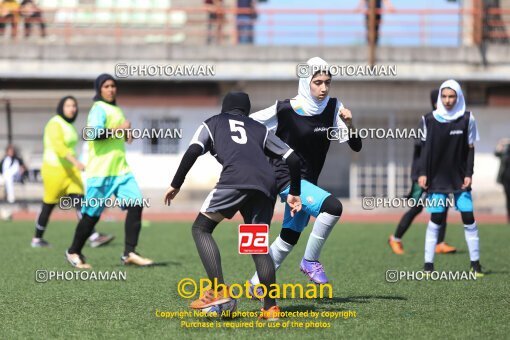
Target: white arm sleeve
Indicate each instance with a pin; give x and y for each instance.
(343, 130)
(424, 128)
(267, 117)
(473, 135)
(339, 106)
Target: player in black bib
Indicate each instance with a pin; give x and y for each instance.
(304, 122)
(246, 184)
(416, 193)
(446, 166)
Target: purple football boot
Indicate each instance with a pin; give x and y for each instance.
(260, 291)
(314, 270)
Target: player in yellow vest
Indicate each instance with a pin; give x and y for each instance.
(108, 174)
(61, 170)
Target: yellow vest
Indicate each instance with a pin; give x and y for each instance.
(107, 157)
(60, 138)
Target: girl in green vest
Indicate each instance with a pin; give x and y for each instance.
(108, 174)
(61, 170)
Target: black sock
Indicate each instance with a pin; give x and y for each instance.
(506, 187)
(92, 233)
(442, 233)
(406, 220)
(207, 248)
(132, 228)
(77, 198)
(42, 220)
(290, 236)
(442, 230)
(82, 233)
(266, 272)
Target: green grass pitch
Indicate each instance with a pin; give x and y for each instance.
(356, 258)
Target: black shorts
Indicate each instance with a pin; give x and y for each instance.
(254, 206)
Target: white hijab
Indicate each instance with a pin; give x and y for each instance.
(458, 109)
(304, 99)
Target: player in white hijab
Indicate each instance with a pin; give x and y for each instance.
(447, 166)
(305, 123)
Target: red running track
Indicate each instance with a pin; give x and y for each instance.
(368, 217)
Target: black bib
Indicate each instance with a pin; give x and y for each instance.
(446, 147)
(307, 136)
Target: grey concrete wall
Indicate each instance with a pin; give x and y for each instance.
(59, 51)
(248, 62)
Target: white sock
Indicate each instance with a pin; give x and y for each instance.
(472, 240)
(278, 251)
(430, 241)
(320, 232)
(94, 236)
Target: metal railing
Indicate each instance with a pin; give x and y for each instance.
(287, 26)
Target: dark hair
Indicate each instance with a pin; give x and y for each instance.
(60, 109)
(433, 97)
(98, 83)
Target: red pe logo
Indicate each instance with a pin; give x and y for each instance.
(253, 239)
